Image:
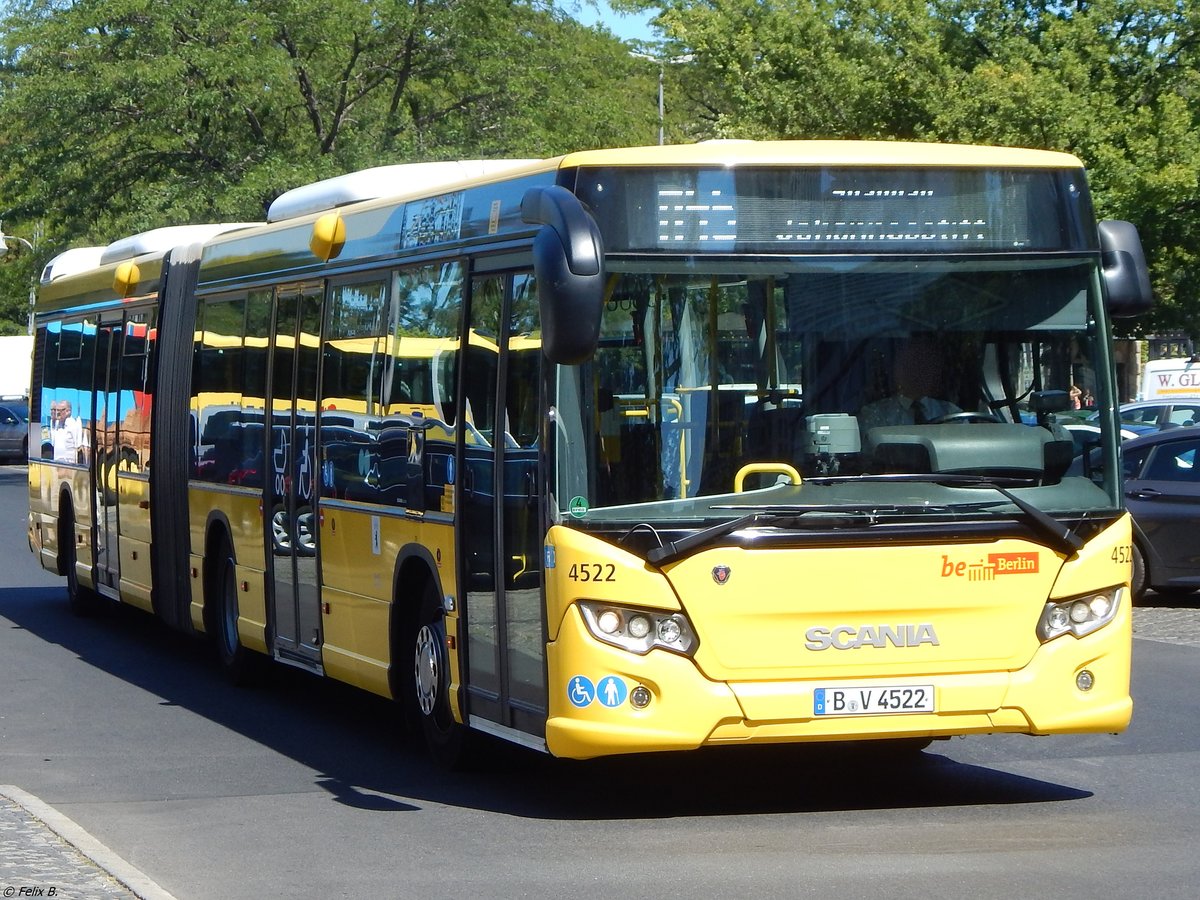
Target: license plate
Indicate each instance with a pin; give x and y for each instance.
(873, 700)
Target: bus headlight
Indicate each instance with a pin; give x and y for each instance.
(1079, 615)
(639, 630)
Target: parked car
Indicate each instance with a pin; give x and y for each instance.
(1087, 435)
(1162, 491)
(1152, 415)
(14, 429)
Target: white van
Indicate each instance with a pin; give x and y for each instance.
(1170, 378)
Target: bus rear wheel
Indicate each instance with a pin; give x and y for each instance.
(82, 601)
(235, 660)
(448, 741)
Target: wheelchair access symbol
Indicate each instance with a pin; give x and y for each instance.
(581, 692)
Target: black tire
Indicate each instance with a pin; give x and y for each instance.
(1174, 590)
(1137, 580)
(281, 531)
(237, 663)
(83, 601)
(450, 743)
(306, 536)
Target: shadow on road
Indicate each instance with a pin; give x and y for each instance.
(13, 474)
(1170, 600)
(357, 744)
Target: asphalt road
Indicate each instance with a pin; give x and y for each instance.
(306, 789)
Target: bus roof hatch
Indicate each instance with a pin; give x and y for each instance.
(160, 240)
(383, 181)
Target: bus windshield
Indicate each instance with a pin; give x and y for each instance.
(900, 385)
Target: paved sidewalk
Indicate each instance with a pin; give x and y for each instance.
(45, 854)
(1171, 625)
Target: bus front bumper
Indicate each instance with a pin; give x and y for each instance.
(592, 691)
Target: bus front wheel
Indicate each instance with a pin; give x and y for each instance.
(1137, 581)
(447, 739)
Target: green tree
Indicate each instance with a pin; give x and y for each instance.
(122, 115)
(1113, 81)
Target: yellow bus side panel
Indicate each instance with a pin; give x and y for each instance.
(359, 549)
(252, 607)
(243, 513)
(133, 499)
(251, 598)
(356, 647)
(1103, 562)
(43, 519)
(47, 482)
(196, 579)
(133, 517)
(135, 573)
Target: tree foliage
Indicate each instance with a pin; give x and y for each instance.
(1116, 82)
(123, 115)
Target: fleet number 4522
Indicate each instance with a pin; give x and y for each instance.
(593, 572)
(1123, 556)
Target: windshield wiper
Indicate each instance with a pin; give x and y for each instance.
(1058, 535)
(776, 515)
(673, 550)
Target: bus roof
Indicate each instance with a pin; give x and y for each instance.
(824, 153)
(381, 202)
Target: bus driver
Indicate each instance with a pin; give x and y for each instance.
(916, 376)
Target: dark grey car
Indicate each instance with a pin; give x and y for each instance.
(14, 430)
(1162, 491)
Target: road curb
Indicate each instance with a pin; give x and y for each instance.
(127, 874)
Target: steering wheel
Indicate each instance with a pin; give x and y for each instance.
(965, 418)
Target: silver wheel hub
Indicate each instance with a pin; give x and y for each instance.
(427, 662)
(279, 530)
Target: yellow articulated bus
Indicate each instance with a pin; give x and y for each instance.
(629, 450)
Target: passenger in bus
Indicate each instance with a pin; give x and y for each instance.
(917, 375)
(66, 433)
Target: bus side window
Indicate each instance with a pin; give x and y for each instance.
(353, 401)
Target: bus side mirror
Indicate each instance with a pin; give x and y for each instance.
(568, 262)
(1126, 275)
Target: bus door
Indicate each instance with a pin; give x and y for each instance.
(104, 446)
(289, 492)
(501, 544)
